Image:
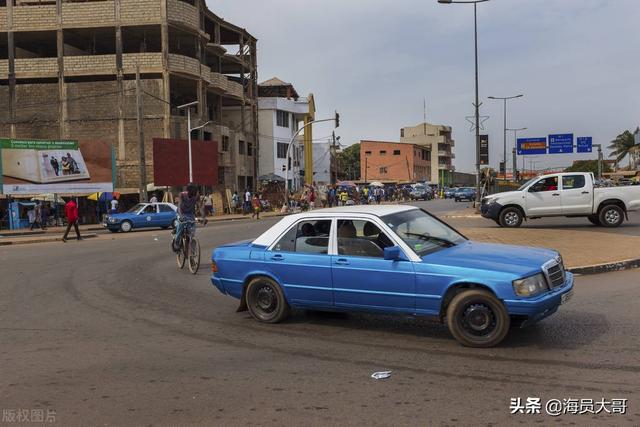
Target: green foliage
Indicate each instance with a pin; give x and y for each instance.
(349, 163)
(587, 166)
(624, 145)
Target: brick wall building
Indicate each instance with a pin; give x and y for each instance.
(67, 70)
(394, 161)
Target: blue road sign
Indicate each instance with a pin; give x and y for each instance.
(584, 144)
(561, 143)
(528, 146)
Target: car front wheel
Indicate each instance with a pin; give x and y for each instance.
(511, 218)
(126, 226)
(266, 301)
(476, 318)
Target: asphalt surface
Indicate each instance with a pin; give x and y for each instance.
(110, 332)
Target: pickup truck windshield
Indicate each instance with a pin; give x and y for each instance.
(422, 232)
(526, 184)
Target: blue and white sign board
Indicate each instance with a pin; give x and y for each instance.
(584, 144)
(561, 143)
(527, 146)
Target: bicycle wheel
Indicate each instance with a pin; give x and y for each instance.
(181, 255)
(194, 255)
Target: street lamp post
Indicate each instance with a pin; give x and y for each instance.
(515, 145)
(505, 99)
(477, 103)
(189, 130)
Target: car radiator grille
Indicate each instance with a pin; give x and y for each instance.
(556, 275)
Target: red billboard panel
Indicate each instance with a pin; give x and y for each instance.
(171, 162)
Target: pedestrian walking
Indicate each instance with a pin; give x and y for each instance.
(247, 201)
(235, 202)
(71, 211)
(114, 206)
(202, 206)
(255, 203)
(153, 199)
(37, 216)
(208, 204)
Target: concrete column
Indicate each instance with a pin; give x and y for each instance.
(12, 69)
(62, 92)
(166, 94)
(120, 85)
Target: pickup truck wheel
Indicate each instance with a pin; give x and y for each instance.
(593, 219)
(266, 301)
(611, 216)
(510, 218)
(476, 318)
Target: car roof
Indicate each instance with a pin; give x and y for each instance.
(269, 236)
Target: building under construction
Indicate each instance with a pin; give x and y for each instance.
(68, 71)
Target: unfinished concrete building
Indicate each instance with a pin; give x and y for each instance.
(67, 71)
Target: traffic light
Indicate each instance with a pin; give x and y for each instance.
(337, 120)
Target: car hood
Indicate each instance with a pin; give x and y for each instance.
(237, 244)
(503, 194)
(518, 260)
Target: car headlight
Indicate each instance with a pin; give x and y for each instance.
(530, 286)
(111, 220)
(490, 201)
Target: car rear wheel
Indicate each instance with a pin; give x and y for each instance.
(511, 218)
(266, 301)
(476, 318)
(611, 216)
(593, 219)
(126, 226)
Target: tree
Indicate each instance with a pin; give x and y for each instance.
(623, 146)
(587, 166)
(349, 163)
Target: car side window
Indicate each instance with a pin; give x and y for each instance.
(310, 237)
(361, 238)
(571, 182)
(149, 209)
(165, 208)
(546, 184)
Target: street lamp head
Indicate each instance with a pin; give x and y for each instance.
(492, 97)
(519, 96)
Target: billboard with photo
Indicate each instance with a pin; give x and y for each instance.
(49, 166)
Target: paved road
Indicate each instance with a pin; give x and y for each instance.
(110, 332)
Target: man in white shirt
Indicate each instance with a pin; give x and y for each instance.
(154, 199)
(114, 206)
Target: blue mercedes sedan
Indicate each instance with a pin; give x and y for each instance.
(143, 215)
(392, 259)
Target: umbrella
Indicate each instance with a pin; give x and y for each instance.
(377, 184)
(49, 197)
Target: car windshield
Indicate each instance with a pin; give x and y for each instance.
(526, 184)
(136, 208)
(424, 233)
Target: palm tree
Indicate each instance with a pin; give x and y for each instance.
(623, 146)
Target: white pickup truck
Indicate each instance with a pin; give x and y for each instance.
(562, 194)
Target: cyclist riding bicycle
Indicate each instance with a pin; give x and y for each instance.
(186, 213)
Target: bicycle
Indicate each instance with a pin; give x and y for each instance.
(189, 248)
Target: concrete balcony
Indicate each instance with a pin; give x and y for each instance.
(90, 14)
(35, 17)
(220, 83)
(137, 12)
(183, 14)
(234, 90)
(184, 65)
(89, 65)
(444, 153)
(36, 67)
(150, 62)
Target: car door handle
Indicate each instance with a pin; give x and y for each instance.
(585, 192)
(277, 258)
(342, 261)
(555, 194)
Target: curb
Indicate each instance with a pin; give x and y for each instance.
(461, 216)
(51, 239)
(606, 267)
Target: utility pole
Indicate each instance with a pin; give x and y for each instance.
(515, 166)
(142, 158)
(408, 169)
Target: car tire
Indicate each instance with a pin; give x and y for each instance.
(126, 226)
(593, 219)
(611, 216)
(266, 301)
(476, 318)
(510, 218)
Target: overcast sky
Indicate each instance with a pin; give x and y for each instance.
(576, 61)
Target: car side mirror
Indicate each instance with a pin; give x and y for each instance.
(392, 253)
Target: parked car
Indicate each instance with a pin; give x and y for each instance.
(143, 215)
(449, 193)
(563, 194)
(391, 259)
(465, 193)
(421, 192)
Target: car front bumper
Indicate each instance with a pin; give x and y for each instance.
(491, 211)
(544, 305)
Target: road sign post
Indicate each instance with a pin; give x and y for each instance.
(584, 144)
(532, 146)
